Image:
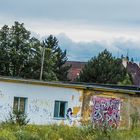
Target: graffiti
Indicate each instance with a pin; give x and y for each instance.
(34, 101)
(34, 108)
(69, 115)
(106, 111)
(73, 118)
(46, 112)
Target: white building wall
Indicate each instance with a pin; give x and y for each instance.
(41, 99)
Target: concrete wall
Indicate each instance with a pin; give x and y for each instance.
(129, 104)
(41, 99)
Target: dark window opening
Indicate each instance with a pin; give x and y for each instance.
(20, 104)
(60, 109)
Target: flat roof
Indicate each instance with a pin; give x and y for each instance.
(76, 85)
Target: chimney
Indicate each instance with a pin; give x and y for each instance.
(124, 62)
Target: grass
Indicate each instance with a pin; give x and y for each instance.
(61, 132)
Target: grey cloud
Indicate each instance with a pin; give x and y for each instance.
(79, 51)
(83, 51)
(89, 11)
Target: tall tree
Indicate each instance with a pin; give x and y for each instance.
(126, 81)
(48, 46)
(22, 56)
(55, 59)
(19, 48)
(33, 65)
(60, 68)
(4, 51)
(103, 69)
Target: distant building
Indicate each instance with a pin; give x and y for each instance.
(76, 67)
(134, 70)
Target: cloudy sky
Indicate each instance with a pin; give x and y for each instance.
(83, 27)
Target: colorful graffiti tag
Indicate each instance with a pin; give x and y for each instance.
(72, 118)
(106, 111)
(69, 115)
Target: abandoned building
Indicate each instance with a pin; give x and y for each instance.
(69, 103)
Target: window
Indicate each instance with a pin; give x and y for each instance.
(20, 104)
(60, 109)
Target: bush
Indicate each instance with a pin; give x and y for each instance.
(7, 135)
(135, 119)
(61, 132)
(17, 117)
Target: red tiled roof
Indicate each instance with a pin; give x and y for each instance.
(134, 69)
(75, 69)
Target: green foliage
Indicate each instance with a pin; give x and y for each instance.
(61, 132)
(21, 55)
(135, 119)
(55, 59)
(4, 50)
(60, 68)
(6, 134)
(127, 80)
(103, 69)
(19, 48)
(17, 118)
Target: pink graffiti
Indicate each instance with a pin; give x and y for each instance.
(106, 111)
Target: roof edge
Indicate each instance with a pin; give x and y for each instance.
(68, 85)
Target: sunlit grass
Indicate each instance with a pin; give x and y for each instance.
(62, 132)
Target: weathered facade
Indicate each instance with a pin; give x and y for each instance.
(69, 103)
(125, 104)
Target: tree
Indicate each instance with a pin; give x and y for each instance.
(16, 56)
(55, 60)
(103, 69)
(31, 69)
(60, 68)
(17, 118)
(4, 51)
(126, 81)
(21, 55)
(19, 48)
(132, 60)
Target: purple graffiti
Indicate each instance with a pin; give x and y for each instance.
(106, 111)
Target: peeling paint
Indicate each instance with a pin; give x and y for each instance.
(72, 97)
(40, 108)
(76, 110)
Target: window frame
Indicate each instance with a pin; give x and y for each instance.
(65, 111)
(19, 105)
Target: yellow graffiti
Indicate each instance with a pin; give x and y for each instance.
(76, 110)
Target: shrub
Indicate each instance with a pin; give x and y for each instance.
(135, 119)
(62, 132)
(7, 135)
(17, 117)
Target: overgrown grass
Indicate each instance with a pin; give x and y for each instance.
(61, 132)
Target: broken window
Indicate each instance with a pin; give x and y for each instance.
(60, 109)
(20, 104)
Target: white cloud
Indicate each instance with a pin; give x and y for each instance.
(82, 32)
(83, 51)
(89, 25)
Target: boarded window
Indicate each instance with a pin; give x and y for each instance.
(60, 109)
(20, 104)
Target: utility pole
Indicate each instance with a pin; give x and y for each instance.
(42, 62)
